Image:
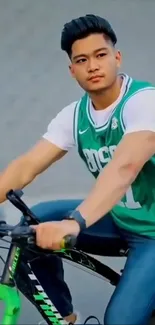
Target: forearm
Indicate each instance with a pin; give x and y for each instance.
(109, 188)
(15, 176)
(24, 169)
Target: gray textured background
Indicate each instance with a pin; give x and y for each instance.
(35, 84)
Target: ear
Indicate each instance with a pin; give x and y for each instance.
(71, 68)
(118, 58)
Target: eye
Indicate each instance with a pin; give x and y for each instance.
(101, 55)
(82, 60)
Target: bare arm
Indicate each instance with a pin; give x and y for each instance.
(133, 151)
(130, 156)
(23, 170)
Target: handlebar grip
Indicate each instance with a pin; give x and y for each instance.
(68, 242)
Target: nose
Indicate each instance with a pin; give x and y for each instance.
(93, 65)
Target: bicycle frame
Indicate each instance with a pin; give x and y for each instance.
(8, 291)
(11, 297)
(34, 291)
(12, 301)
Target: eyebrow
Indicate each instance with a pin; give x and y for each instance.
(82, 54)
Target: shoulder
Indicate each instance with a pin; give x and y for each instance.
(139, 110)
(67, 112)
(140, 101)
(60, 129)
(64, 117)
(143, 94)
(70, 108)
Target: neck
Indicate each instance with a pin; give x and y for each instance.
(107, 96)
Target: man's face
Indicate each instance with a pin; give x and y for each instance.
(94, 63)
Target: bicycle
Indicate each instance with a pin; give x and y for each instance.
(18, 275)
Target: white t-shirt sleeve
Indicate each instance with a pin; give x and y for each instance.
(60, 129)
(139, 112)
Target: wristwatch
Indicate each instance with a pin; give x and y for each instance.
(76, 215)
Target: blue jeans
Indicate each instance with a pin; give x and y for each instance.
(133, 299)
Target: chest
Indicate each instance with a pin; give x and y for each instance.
(97, 145)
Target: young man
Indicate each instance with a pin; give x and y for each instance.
(113, 128)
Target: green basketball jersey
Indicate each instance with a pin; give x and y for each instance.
(96, 145)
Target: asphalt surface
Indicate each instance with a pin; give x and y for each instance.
(35, 84)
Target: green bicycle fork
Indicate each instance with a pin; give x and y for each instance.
(11, 298)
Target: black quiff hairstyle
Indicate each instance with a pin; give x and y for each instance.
(82, 27)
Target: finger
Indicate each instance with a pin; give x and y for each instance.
(56, 245)
(43, 238)
(38, 236)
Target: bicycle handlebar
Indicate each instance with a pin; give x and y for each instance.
(20, 232)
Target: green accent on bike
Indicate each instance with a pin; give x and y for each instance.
(38, 297)
(44, 307)
(54, 320)
(12, 302)
(62, 250)
(49, 313)
(47, 310)
(14, 263)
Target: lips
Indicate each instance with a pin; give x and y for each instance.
(95, 78)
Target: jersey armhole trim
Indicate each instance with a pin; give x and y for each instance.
(122, 109)
(75, 121)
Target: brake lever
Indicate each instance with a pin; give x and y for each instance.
(20, 193)
(14, 198)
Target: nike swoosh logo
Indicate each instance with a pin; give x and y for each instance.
(83, 131)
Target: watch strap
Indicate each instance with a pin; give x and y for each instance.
(76, 215)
